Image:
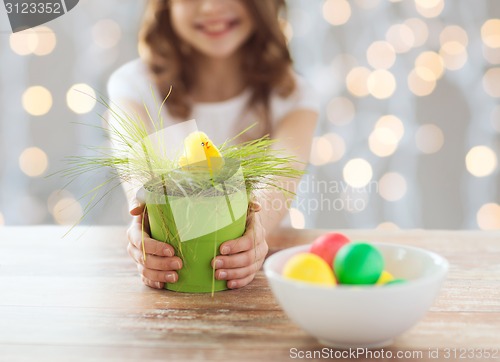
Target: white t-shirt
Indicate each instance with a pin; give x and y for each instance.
(219, 120)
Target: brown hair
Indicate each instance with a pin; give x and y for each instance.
(266, 65)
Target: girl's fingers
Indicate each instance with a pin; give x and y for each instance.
(242, 259)
(136, 236)
(151, 284)
(239, 283)
(238, 273)
(154, 262)
(158, 276)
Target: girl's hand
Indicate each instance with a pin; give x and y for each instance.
(242, 257)
(160, 264)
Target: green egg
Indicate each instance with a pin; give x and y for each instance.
(358, 263)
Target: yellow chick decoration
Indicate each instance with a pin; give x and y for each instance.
(198, 148)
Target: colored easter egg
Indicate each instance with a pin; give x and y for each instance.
(309, 268)
(358, 263)
(326, 246)
(385, 278)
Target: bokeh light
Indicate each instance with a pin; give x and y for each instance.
(431, 61)
(488, 217)
(67, 211)
(2, 220)
(420, 31)
(327, 148)
(106, 33)
(454, 33)
(429, 138)
(357, 173)
(387, 226)
(39, 41)
(381, 55)
(490, 33)
(491, 82)
(492, 55)
(338, 146)
(388, 131)
(421, 81)
(340, 111)
(392, 186)
(454, 55)
(336, 12)
(429, 8)
(37, 100)
(56, 196)
(46, 41)
(297, 219)
(321, 151)
(381, 84)
(393, 123)
(357, 81)
(383, 141)
(481, 161)
(33, 161)
(24, 42)
(80, 98)
(401, 37)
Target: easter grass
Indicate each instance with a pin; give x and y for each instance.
(262, 165)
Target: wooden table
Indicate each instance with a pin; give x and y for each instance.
(80, 298)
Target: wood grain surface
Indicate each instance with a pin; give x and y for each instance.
(79, 298)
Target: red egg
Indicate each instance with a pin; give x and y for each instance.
(326, 246)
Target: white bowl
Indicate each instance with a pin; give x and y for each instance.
(361, 316)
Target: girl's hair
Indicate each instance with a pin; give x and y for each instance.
(266, 59)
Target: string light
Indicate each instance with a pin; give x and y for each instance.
(67, 211)
(106, 33)
(401, 37)
(80, 98)
(420, 31)
(336, 12)
(491, 82)
(392, 186)
(357, 173)
(338, 146)
(381, 55)
(37, 100)
(381, 84)
(488, 217)
(429, 138)
(429, 8)
(33, 161)
(481, 161)
(357, 81)
(490, 33)
(340, 111)
(321, 151)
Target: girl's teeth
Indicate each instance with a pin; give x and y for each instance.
(214, 28)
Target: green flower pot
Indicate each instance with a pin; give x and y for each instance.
(196, 226)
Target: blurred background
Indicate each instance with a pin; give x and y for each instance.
(409, 132)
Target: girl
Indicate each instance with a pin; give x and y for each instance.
(228, 64)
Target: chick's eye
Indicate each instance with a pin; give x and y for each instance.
(203, 144)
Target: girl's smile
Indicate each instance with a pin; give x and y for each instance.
(217, 27)
(214, 28)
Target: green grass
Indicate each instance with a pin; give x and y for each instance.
(261, 164)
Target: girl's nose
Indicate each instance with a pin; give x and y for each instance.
(212, 6)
